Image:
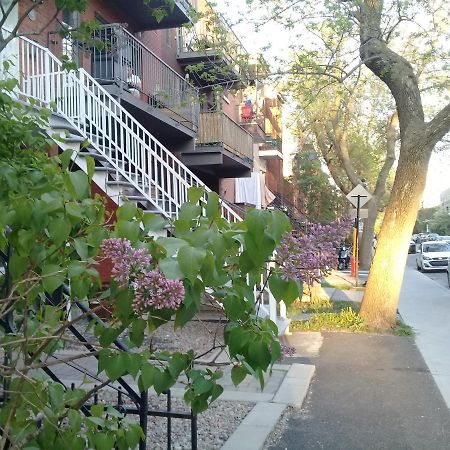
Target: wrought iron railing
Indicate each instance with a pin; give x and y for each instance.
(126, 145)
(117, 56)
(210, 35)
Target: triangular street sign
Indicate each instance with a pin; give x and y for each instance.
(360, 192)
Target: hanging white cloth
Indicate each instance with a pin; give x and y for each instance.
(248, 190)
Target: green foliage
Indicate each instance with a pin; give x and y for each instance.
(322, 201)
(440, 222)
(346, 320)
(51, 229)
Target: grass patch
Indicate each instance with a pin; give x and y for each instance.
(345, 319)
(342, 316)
(342, 286)
(323, 306)
(401, 329)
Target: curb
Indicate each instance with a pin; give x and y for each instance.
(262, 419)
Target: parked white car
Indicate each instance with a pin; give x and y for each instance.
(433, 255)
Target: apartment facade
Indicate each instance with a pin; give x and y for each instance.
(161, 112)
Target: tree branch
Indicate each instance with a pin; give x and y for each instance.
(440, 125)
(394, 70)
(391, 138)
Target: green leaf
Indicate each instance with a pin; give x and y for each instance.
(286, 290)
(195, 194)
(133, 436)
(202, 386)
(238, 374)
(171, 269)
(280, 225)
(80, 184)
(162, 382)
(116, 366)
(56, 395)
(147, 378)
(126, 212)
(171, 244)
(104, 441)
(90, 163)
(137, 332)
(213, 206)
(75, 268)
(191, 260)
(189, 211)
(128, 230)
(59, 230)
(74, 420)
(153, 222)
(53, 277)
(65, 158)
(81, 248)
(259, 353)
(17, 265)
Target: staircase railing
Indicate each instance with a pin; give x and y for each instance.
(128, 147)
(124, 59)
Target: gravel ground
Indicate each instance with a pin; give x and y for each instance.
(198, 336)
(215, 425)
(274, 437)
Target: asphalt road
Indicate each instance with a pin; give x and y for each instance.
(370, 392)
(439, 277)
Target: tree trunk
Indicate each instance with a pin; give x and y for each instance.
(366, 253)
(379, 306)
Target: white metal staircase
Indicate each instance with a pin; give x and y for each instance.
(129, 161)
(120, 144)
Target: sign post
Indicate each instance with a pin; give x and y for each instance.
(358, 197)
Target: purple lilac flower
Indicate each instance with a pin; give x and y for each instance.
(127, 261)
(287, 351)
(312, 254)
(154, 290)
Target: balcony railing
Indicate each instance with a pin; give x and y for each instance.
(216, 128)
(116, 56)
(212, 36)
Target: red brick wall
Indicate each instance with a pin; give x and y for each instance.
(163, 43)
(45, 12)
(104, 267)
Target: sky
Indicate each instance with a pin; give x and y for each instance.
(438, 178)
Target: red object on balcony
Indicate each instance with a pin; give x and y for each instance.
(246, 112)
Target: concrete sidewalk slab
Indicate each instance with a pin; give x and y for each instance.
(425, 306)
(254, 429)
(295, 385)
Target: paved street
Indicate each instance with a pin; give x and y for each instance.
(439, 277)
(380, 391)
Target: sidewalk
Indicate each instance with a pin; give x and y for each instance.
(379, 391)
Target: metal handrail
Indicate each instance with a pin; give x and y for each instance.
(127, 146)
(201, 37)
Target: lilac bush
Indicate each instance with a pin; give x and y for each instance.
(312, 253)
(153, 289)
(133, 267)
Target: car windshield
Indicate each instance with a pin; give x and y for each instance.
(436, 247)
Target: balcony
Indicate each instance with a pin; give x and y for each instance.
(160, 98)
(157, 14)
(271, 149)
(223, 147)
(210, 50)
